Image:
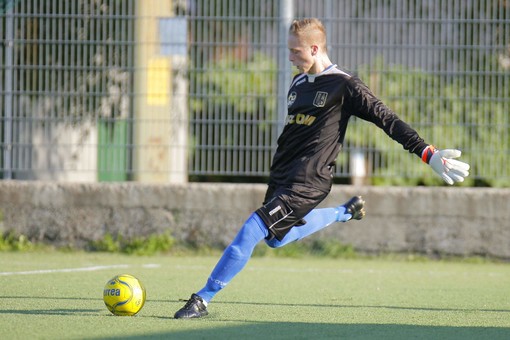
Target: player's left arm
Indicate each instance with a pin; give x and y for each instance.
(365, 105)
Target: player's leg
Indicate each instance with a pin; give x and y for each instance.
(235, 256)
(233, 260)
(279, 215)
(318, 219)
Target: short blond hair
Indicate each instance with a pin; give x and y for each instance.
(312, 30)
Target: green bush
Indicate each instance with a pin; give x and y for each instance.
(246, 86)
(12, 242)
(319, 248)
(138, 245)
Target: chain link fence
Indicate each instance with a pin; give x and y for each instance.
(171, 91)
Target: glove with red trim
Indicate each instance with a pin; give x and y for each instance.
(442, 162)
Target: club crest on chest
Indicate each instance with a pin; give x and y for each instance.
(320, 99)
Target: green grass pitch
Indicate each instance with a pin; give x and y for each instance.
(52, 295)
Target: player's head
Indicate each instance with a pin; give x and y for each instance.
(311, 30)
(307, 40)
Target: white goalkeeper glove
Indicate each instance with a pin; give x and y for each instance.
(444, 165)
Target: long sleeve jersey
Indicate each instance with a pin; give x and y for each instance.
(319, 108)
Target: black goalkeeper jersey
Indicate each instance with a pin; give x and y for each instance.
(319, 108)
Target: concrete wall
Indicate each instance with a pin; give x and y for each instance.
(446, 220)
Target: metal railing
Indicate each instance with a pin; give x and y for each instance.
(164, 91)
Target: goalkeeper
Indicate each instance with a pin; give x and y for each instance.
(321, 99)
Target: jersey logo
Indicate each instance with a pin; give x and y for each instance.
(300, 119)
(299, 82)
(320, 99)
(291, 98)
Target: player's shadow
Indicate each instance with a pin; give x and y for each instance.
(304, 330)
(272, 304)
(363, 306)
(74, 311)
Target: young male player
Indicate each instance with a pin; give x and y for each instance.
(321, 99)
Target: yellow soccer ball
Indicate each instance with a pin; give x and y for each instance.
(124, 295)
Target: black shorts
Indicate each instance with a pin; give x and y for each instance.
(285, 207)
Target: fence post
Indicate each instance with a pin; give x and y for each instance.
(9, 50)
(284, 66)
(159, 130)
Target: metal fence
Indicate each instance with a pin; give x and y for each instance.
(169, 91)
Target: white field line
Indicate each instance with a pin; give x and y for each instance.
(63, 270)
(73, 270)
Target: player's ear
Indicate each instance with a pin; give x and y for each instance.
(314, 49)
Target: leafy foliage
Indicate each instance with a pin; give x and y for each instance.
(137, 246)
(447, 111)
(234, 101)
(247, 86)
(12, 242)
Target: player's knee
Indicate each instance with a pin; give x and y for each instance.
(237, 252)
(274, 243)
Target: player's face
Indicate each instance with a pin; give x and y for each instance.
(301, 54)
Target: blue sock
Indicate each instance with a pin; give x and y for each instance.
(316, 220)
(235, 256)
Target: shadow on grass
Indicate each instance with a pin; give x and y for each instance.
(302, 330)
(56, 311)
(219, 329)
(363, 306)
(48, 311)
(272, 304)
(49, 297)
